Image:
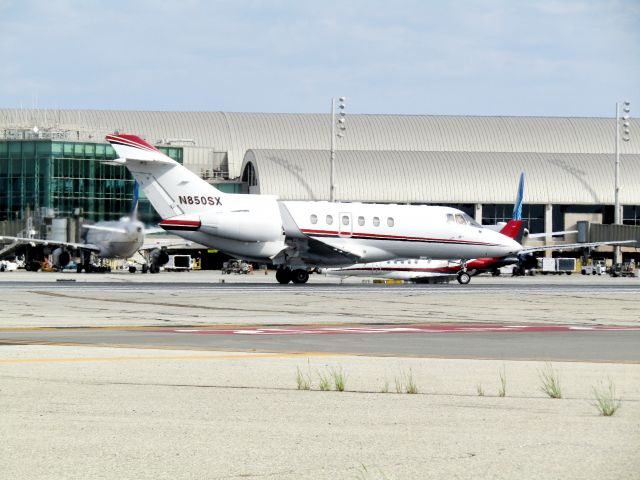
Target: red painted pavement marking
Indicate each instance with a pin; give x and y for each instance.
(400, 329)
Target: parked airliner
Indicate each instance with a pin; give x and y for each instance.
(109, 239)
(428, 270)
(295, 235)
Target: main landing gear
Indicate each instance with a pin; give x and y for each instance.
(286, 275)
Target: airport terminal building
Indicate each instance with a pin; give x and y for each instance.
(50, 161)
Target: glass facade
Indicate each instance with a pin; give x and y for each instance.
(532, 215)
(67, 176)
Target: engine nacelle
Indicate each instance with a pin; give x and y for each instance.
(262, 225)
(159, 256)
(60, 257)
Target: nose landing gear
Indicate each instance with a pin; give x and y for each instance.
(463, 277)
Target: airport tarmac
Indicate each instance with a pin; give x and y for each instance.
(210, 389)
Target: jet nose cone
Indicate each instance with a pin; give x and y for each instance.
(511, 246)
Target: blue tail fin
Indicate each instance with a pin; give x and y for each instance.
(517, 209)
(136, 194)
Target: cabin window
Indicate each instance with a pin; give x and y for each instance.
(376, 222)
(449, 217)
(329, 219)
(390, 221)
(361, 221)
(314, 219)
(345, 220)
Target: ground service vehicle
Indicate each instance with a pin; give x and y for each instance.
(626, 269)
(596, 267)
(556, 266)
(179, 263)
(236, 266)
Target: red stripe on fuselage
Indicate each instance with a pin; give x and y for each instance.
(380, 236)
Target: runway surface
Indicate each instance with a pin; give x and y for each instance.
(550, 342)
(542, 318)
(540, 287)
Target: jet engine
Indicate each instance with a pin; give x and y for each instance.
(60, 258)
(157, 258)
(245, 226)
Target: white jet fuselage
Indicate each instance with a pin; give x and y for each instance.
(377, 232)
(258, 228)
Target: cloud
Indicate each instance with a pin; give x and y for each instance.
(491, 57)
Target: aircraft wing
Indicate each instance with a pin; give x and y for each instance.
(573, 246)
(38, 241)
(166, 244)
(317, 252)
(152, 230)
(308, 249)
(105, 229)
(552, 234)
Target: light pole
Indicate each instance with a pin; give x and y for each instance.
(621, 121)
(339, 123)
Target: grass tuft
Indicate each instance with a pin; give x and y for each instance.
(365, 473)
(324, 384)
(339, 379)
(411, 386)
(385, 387)
(405, 383)
(550, 382)
(399, 384)
(502, 392)
(606, 401)
(303, 381)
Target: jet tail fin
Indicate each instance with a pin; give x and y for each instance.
(136, 195)
(172, 189)
(517, 209)
(513, 229)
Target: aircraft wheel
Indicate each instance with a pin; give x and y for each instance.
(464, 278)
(132, 269)
(283, 275)
(300, 276)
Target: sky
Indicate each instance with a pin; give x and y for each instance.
(423, 57)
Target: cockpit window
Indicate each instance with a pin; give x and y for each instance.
(464, 219)
(471, 221)
(449, 217)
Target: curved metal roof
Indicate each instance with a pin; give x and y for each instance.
(236, 133)
(445, 177)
